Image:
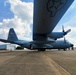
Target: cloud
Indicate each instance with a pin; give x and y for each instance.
(71, 36)
(69, 22)
(21, 22)
(23, 19)
(22, 9)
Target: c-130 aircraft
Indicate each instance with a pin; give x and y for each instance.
(47, 13)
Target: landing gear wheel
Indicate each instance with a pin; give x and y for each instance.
(64, 49)
(41, 49)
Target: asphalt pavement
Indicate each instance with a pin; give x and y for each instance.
(29, 63)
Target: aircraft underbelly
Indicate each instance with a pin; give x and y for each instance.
(41, 46)
(47, 14)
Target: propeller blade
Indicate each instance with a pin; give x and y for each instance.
(64, 40)
(63, 29)
(68, 31)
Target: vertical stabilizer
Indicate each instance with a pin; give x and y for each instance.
(12, 35)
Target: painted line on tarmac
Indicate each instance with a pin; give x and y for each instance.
(56, 67)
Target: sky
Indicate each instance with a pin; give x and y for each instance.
(18, 14)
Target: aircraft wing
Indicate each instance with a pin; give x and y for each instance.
(6, 41)
(47, 13)
(18, 42)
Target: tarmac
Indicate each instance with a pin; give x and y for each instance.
(52, 62)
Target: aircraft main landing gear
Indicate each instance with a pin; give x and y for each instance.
(41, 49)
(64, 49)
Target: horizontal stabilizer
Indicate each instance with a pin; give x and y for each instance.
(7, 41)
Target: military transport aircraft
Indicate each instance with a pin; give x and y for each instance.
(47, 14)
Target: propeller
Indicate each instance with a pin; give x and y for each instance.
(64, 32)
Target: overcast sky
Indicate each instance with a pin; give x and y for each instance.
(18, 14)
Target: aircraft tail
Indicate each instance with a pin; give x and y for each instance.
(12, 35)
